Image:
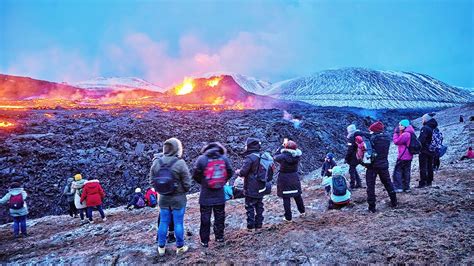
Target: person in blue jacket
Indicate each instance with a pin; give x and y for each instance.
(16, 199)
(335, 202)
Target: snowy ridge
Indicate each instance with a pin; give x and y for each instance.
(249, 84)
(370, 89)
(118, 83)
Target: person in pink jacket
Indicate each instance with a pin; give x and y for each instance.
(401, 173)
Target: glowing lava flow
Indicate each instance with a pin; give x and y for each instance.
(185, 87)
(214, 82)
(6, 124)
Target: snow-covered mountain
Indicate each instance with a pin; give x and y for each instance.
(118, 83)
(370, 89)
(249, 84)
(470, 90)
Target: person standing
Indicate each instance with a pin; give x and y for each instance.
(68, 192)
(351, 156)
(77, 188)
(93, 194)
(426, 156)
(212, 170)
(16, 198)
(379, 166)
(401, 173)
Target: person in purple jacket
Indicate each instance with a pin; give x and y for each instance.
(401, 173)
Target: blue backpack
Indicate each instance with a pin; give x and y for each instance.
(153, 201)
(164, 181)
(339, 185)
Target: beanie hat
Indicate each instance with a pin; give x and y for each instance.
(252, 144)
(152, 189)
(291, 145)
(404, 123)
(138, 190)
(337, 170)
(428, 116)
(351, 129)
(15, 185)
(78, 177)
(377, 127)
(330, 156)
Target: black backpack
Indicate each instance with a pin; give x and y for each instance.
(164, 181)
(415, 145)
(339, 185)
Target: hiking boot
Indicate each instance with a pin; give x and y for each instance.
(91, 222)
(372, 209)
(204, 245)
(220, 240)
(181, 250)
(421, 186)
(104, 219)
(286, 220)
(398, 190)
(429, 184)
(170, 238)
(303, 214)
(161, 251)
(407, 190)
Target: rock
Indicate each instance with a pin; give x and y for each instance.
(139, 149)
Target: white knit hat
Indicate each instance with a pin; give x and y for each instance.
(138, 190)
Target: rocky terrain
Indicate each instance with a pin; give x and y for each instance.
(431, 225)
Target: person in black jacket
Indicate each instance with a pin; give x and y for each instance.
(381, 146)
(288, 184)
(328, 165)
(212, 199)
(351, 156)
(253, 188)
(137, 201)
(426, 157)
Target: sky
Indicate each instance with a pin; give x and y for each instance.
(165, 41)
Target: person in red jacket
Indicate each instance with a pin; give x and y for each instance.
(93, 194)
(469, 154)
(151, 197)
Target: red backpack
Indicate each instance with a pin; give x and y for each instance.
(16, 202)
(215, 173)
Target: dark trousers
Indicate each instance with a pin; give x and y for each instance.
(219, 222)
(401, 175)
(371, 176)
(99, 208)
(254, 208)
(287, 206)
(81, 213)
(19, 222)
(355, 178)
(334, 206)
(72, 209)
(170, 227)
(436, 162)
(426, 169)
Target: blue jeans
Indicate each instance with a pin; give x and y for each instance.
(99, 208)
(19, 222)
(165, 219)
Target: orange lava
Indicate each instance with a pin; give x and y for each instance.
(6, 124)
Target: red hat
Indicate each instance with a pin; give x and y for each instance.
(377, 127)
(291, 145)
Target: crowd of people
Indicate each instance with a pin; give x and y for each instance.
(171, 179)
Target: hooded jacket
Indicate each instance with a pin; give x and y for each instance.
(351, 154)
(326, 166)
(208, 196)
(381, 145)
(92, 193)
(13, 192)
(288, 184)
(252, 187)
(68, 191)
(402, 140)
(148, 194)
(426, 134)
(180, 171)
(327, 181)
(134, 201)
(77, 189)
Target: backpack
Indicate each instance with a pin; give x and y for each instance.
(339, 185)
(436, 145)
(16, 202)
(215, 173)
(370, 154)
(164, 182)
(140, 202)
(264, 172)
(153, 200)
(415, 145)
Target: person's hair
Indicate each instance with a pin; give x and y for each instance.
(15, 185)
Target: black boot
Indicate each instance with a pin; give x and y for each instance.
(372, 208)
(393, 199)
(171, 238)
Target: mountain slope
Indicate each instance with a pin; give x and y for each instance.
(364, 88)
(249, 84)
(118, 83)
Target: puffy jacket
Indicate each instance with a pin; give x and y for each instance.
(381, 145)
(68, 191)
(180, 171)
(327, 181)
(134, 201)
(351, 154)
(208, 196)
(92, 193)
(426, 134)
(402, 140)
(252, 187)
(326, 166)
(77, 188)
(13, 192)
(148, 194)
(288, 184)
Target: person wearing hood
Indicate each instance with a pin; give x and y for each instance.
(426, 156)
(336, 201)
(401, 173)
(254, 189)
(68, 192)
(288, 184)
(328, 165)
(138, 200)
(77, 188)
(173, 204)
(212, 170)
(93, 194)
(151, 197)
(379, 167)
(351, 155)
(16, 198)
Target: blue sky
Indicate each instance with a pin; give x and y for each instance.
(163, 41)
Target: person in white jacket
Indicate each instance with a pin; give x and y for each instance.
(339, 196)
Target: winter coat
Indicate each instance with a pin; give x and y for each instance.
(134, 201)
(148, 196)
(253, 188)
(92, 193)
(209, 196)
(361, 148)
(380, 145)
(77, 189)
(13, 192)
(288, 183)
(470, 154)
(351, 154)
(68, 191)
(402, 140)
(426, 134)
(327, 165)
(181, 174)
(327, 181)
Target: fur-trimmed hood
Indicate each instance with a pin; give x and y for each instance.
(214, 149)
(177, 147)
(294, 153)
